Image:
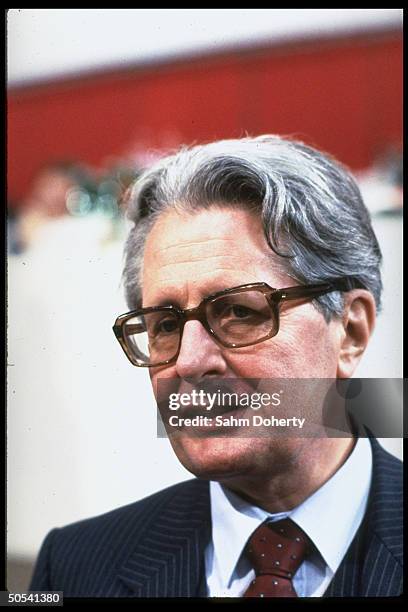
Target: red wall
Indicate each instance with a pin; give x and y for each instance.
(343, 95)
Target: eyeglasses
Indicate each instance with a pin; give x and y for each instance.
(236, 317)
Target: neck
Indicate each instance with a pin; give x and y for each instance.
(288, 488)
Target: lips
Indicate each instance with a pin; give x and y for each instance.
(217, 410)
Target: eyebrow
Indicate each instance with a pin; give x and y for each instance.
(166, 301)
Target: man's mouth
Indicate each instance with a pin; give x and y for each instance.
(207, 410)
(211, 407)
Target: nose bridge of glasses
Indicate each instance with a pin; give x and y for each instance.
(198, 313)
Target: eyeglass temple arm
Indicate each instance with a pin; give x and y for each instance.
(131, 328)
(302, 291)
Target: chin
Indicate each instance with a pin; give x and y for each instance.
(223, 458)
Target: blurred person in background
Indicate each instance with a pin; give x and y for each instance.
(63, 189)
(249, 258)
(47, 197)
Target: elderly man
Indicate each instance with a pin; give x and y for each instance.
(248, 259)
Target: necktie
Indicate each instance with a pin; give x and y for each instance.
(275, 551)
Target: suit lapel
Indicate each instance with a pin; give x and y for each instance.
(168, 560)
(382, 570)
(346, 582)
(372, 566)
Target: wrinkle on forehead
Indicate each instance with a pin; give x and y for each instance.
(207, 248)
(237, 254)
(218, 278)
(241, 247)
(188, 243)
(232, 259)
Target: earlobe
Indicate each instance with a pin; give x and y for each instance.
(358, 324)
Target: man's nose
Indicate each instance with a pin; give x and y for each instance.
(200, 355)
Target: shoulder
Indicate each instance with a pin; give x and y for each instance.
(93, 547)
(387, 469)
(386, 499)
(140, 513)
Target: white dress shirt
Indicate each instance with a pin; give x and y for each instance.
(330, 517)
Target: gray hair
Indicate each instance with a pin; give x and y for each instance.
(311, 208)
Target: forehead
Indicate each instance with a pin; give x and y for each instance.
(192, 254)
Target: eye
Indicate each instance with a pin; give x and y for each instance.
(234, 312)
(240, 312)
(166, 326)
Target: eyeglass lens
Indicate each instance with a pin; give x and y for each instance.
(236, 319)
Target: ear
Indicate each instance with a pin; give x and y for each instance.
(358, 323)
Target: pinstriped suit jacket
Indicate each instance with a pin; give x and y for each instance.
(155, 547)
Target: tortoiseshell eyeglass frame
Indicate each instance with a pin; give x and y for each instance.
(275, 297)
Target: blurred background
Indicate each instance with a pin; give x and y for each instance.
(94, 96)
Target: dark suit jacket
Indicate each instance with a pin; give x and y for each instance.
(154, 547)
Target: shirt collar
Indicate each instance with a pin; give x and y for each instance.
(330, 516)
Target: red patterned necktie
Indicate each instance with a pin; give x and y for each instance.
(276, 551)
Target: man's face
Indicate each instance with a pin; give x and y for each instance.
(189, 256)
